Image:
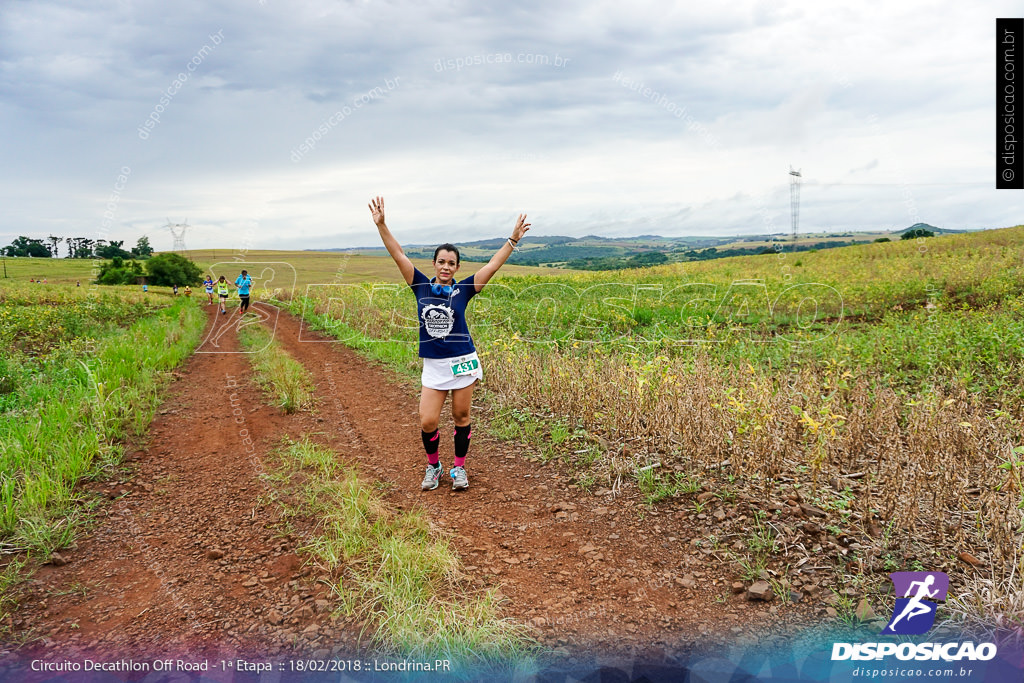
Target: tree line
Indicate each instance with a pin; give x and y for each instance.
(77, 247)
(120, 267)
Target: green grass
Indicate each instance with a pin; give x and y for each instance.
(399, 355)
(36, 321)
(9, 576)
(761, 546)
(656, 486)
(845, 606)
(56, 271)
(751, 567)
(281, 376)
(761, 539)
(402, 578)
(72, 416)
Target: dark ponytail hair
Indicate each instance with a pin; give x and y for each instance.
(447, 247)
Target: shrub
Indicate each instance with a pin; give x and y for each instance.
(173, 269)
(915, 233)
(119, 272)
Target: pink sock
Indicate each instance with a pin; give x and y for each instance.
(459, 462)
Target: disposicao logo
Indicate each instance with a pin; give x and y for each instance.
(918, 594)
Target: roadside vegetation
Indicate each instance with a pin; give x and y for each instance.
(81, 374)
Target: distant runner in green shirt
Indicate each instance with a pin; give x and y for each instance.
(222, 293)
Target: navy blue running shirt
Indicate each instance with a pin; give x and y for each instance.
(442, 318)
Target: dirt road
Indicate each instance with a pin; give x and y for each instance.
(187, 555)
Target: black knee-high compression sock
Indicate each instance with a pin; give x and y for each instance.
(431, 440)
(462, 436)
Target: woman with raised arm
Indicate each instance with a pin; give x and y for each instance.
(450, 362)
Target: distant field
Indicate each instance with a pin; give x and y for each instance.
(311, 267)
(786, 243)
(55, 270)
(609, 252)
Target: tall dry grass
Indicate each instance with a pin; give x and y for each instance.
(929, 468)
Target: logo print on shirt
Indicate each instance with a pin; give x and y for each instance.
(438, 320)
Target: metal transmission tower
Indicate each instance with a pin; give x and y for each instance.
(794, 200)
(178, 233)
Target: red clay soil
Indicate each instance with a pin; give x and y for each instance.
(187, 555)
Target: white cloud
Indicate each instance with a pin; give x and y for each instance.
(869, 99)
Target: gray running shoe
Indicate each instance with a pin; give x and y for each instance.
(432, 477)
(459, 479)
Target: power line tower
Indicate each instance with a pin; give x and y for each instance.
(794, 200)
(178, 233)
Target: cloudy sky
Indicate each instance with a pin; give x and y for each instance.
(269, 124)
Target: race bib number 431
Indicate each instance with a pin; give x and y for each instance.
(466, 368)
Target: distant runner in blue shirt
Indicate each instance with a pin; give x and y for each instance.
(208, 284)
(450, 362)
(243, 282)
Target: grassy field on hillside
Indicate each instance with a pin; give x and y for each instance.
(56, 271)
(881, 384)
(285, 269)
(321, 267)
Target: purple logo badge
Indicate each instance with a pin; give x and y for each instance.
(917, 594)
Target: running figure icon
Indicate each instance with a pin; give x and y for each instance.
(915, 607)
(917, 596)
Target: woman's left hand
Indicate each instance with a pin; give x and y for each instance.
(521, 227)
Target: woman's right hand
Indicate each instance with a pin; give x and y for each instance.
(390, 243)
(377, 211)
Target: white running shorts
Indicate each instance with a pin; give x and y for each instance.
(451, 373)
